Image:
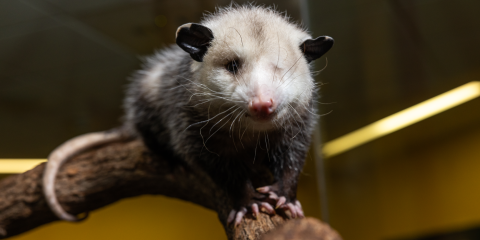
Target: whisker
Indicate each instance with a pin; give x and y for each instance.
(241, 39)
(223, 118)
(243, 134)
(209, 94)
(208, 100)
(300, 118)
(201, 135)
(232, 131)
(325, 114)
(207, 117)
(255, 156)
(239, 114)
(267, 145)
(278, 58)
(218, 128)
(291, 67)
(202, 86)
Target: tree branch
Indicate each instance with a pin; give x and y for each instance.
(109, 173)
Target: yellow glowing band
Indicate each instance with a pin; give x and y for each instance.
(8, 166)
(403, 118)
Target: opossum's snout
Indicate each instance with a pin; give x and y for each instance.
(262, 108)
(263, 102)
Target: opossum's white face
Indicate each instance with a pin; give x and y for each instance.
(258, 71)
(267, 82)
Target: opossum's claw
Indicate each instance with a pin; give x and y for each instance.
(280, 202)
(267, 208)
(299, 209)
(272, 195)
(254, 210)
(239, 216)
(231, 216)
(291, 209)
(265, 189)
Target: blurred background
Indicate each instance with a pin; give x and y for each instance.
(64, 66)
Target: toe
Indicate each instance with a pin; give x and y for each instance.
(280, 202)
(297, 203)
(265, 189)
(254, 210)
(272, 195)
(266, 208)
(291, 209)
(300, 212)
(240, 215)
(231, 216)
(299, 209)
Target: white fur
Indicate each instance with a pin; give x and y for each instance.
(268, 47)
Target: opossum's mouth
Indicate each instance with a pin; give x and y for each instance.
(262, 118)
(264, 123)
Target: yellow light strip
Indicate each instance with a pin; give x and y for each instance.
(403, 118)
(9, 166)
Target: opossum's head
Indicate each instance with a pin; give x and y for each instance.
(255, 61)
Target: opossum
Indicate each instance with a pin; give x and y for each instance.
(235, 97)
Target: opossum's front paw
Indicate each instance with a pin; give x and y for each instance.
(280, 202)
(254, 208)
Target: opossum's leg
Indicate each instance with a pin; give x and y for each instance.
(284, 189)
(280, 195)
(66, 151)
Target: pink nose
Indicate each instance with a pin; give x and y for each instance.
(261, 109)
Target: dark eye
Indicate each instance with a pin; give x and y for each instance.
(232, 66)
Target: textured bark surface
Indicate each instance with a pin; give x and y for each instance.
(300, 229)
(109, 173)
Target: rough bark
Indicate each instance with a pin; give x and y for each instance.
(109, 173)
(300, 229)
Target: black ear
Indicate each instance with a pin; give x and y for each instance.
(315, 48)
(194, 39)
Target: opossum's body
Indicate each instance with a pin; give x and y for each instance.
(237, 99)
